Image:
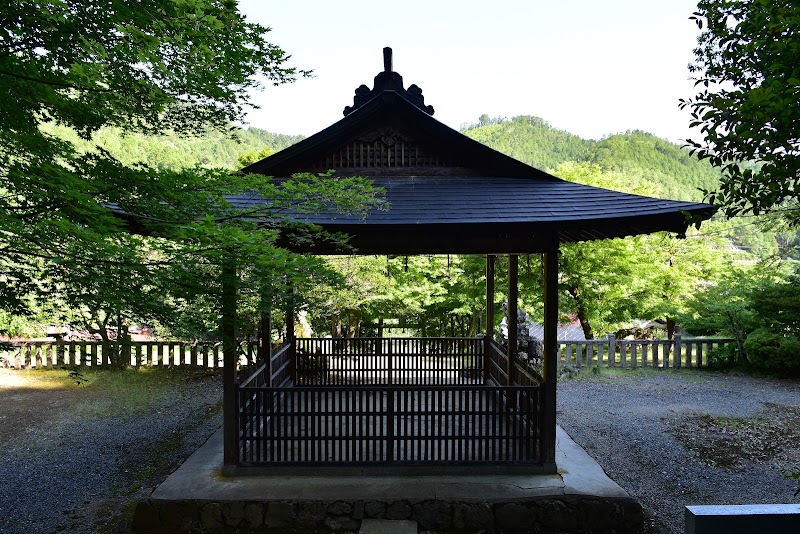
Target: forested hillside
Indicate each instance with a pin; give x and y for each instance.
(168, 150)
(644, 156)
(638, 156)
(530, 139)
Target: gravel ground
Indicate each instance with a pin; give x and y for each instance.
(669, 438)
(677, 437)
(83, 474)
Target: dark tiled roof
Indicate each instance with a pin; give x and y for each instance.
(471, 200)
(455, 213)
(448, 193)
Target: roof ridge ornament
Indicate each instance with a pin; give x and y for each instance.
(388, 80)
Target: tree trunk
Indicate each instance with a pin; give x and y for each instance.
(336, 326)
(670, 328)
(581, 309)
(738, 335)
(353, 323)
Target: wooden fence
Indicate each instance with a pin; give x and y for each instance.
(51, 354)
(461, 353)
(633, 353)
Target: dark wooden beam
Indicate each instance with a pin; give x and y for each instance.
(513, 298)
(229, 282)
(489, 330)
(397, 240)
(550, 354)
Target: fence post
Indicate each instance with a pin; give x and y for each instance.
(612, 350)
(487, 346)
(378, 353)
(676, 352)
(390, 409)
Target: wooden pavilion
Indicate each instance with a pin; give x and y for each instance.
(415, 404)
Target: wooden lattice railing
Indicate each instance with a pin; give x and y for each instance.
(389, 425)
(443, 360)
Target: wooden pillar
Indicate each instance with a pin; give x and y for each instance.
(513, 294)
(229, 282)
(489, 334)
(550, 354)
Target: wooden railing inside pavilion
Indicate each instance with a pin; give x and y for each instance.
(391, 402)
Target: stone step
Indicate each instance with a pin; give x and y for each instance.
(387, 526)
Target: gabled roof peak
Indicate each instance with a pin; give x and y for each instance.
(388, 80)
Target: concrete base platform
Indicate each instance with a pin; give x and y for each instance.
(579, 498)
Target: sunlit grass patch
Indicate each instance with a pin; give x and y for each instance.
(133, 391)
(35, 378)
(105, 392)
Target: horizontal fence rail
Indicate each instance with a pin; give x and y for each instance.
(389, 425)
(341, 361)
(679, 352)
(51, 354)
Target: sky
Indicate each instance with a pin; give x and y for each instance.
(590, 67)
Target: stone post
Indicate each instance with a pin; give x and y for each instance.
(612, 349)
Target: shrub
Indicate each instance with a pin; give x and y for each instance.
(773, 353)
(723, 356)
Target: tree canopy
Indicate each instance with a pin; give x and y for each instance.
(179, 66)
(142, 67)
(747, 68)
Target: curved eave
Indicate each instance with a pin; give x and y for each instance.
(496, 215)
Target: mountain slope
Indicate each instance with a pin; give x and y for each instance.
(531, 140)
(169, 150)
(644, 156)
(639, 156)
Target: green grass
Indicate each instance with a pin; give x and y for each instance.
(131, 392)
(613, 373)
(104, 392)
